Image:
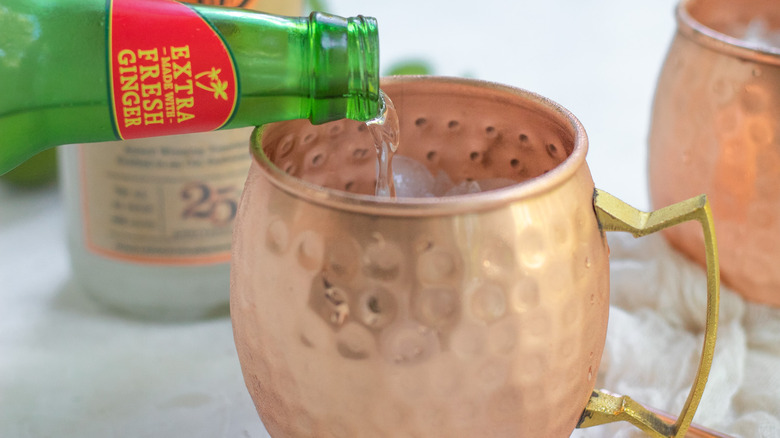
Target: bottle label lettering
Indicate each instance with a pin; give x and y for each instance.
(164, 200)
(170, 71)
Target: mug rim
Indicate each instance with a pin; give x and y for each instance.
(708, 37)
(412, 207)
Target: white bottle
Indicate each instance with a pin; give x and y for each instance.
(150, 220)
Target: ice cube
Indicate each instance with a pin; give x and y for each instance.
(442, 184)
(478, 186)
(758, 31)
(412, 179)
(464, 188)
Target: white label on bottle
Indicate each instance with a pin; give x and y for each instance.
(164, 200)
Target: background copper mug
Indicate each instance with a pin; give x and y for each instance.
(716, 129)
(474, 315)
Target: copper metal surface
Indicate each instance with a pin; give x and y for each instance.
(716, 130)
(468, 316)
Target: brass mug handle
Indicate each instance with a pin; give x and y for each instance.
(615, 215)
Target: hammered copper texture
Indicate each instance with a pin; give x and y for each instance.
(473, 316)
(716, 130)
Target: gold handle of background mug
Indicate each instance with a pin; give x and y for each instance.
(615, 215)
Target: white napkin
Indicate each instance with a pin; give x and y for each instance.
(657, 314)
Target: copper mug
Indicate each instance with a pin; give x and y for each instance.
(716, 129)
(480, 315)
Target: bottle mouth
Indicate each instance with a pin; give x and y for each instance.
(365, 102)
(343, 68)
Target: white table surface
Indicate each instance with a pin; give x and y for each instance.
(70, 369)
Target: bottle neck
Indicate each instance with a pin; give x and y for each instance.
(343, 68)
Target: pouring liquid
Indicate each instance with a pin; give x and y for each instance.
(385, 131)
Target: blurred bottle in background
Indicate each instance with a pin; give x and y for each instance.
(150, 219)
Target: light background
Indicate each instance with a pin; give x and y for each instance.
(69, 369)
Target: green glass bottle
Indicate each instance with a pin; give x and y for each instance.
(150, 217)
(79, 71)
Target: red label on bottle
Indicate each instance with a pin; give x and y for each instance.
(171, 73)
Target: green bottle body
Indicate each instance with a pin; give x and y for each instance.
(55, 80)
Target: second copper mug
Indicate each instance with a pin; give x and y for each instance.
(716, 129)
(479, 315)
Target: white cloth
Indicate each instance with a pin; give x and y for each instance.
(658, 299)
